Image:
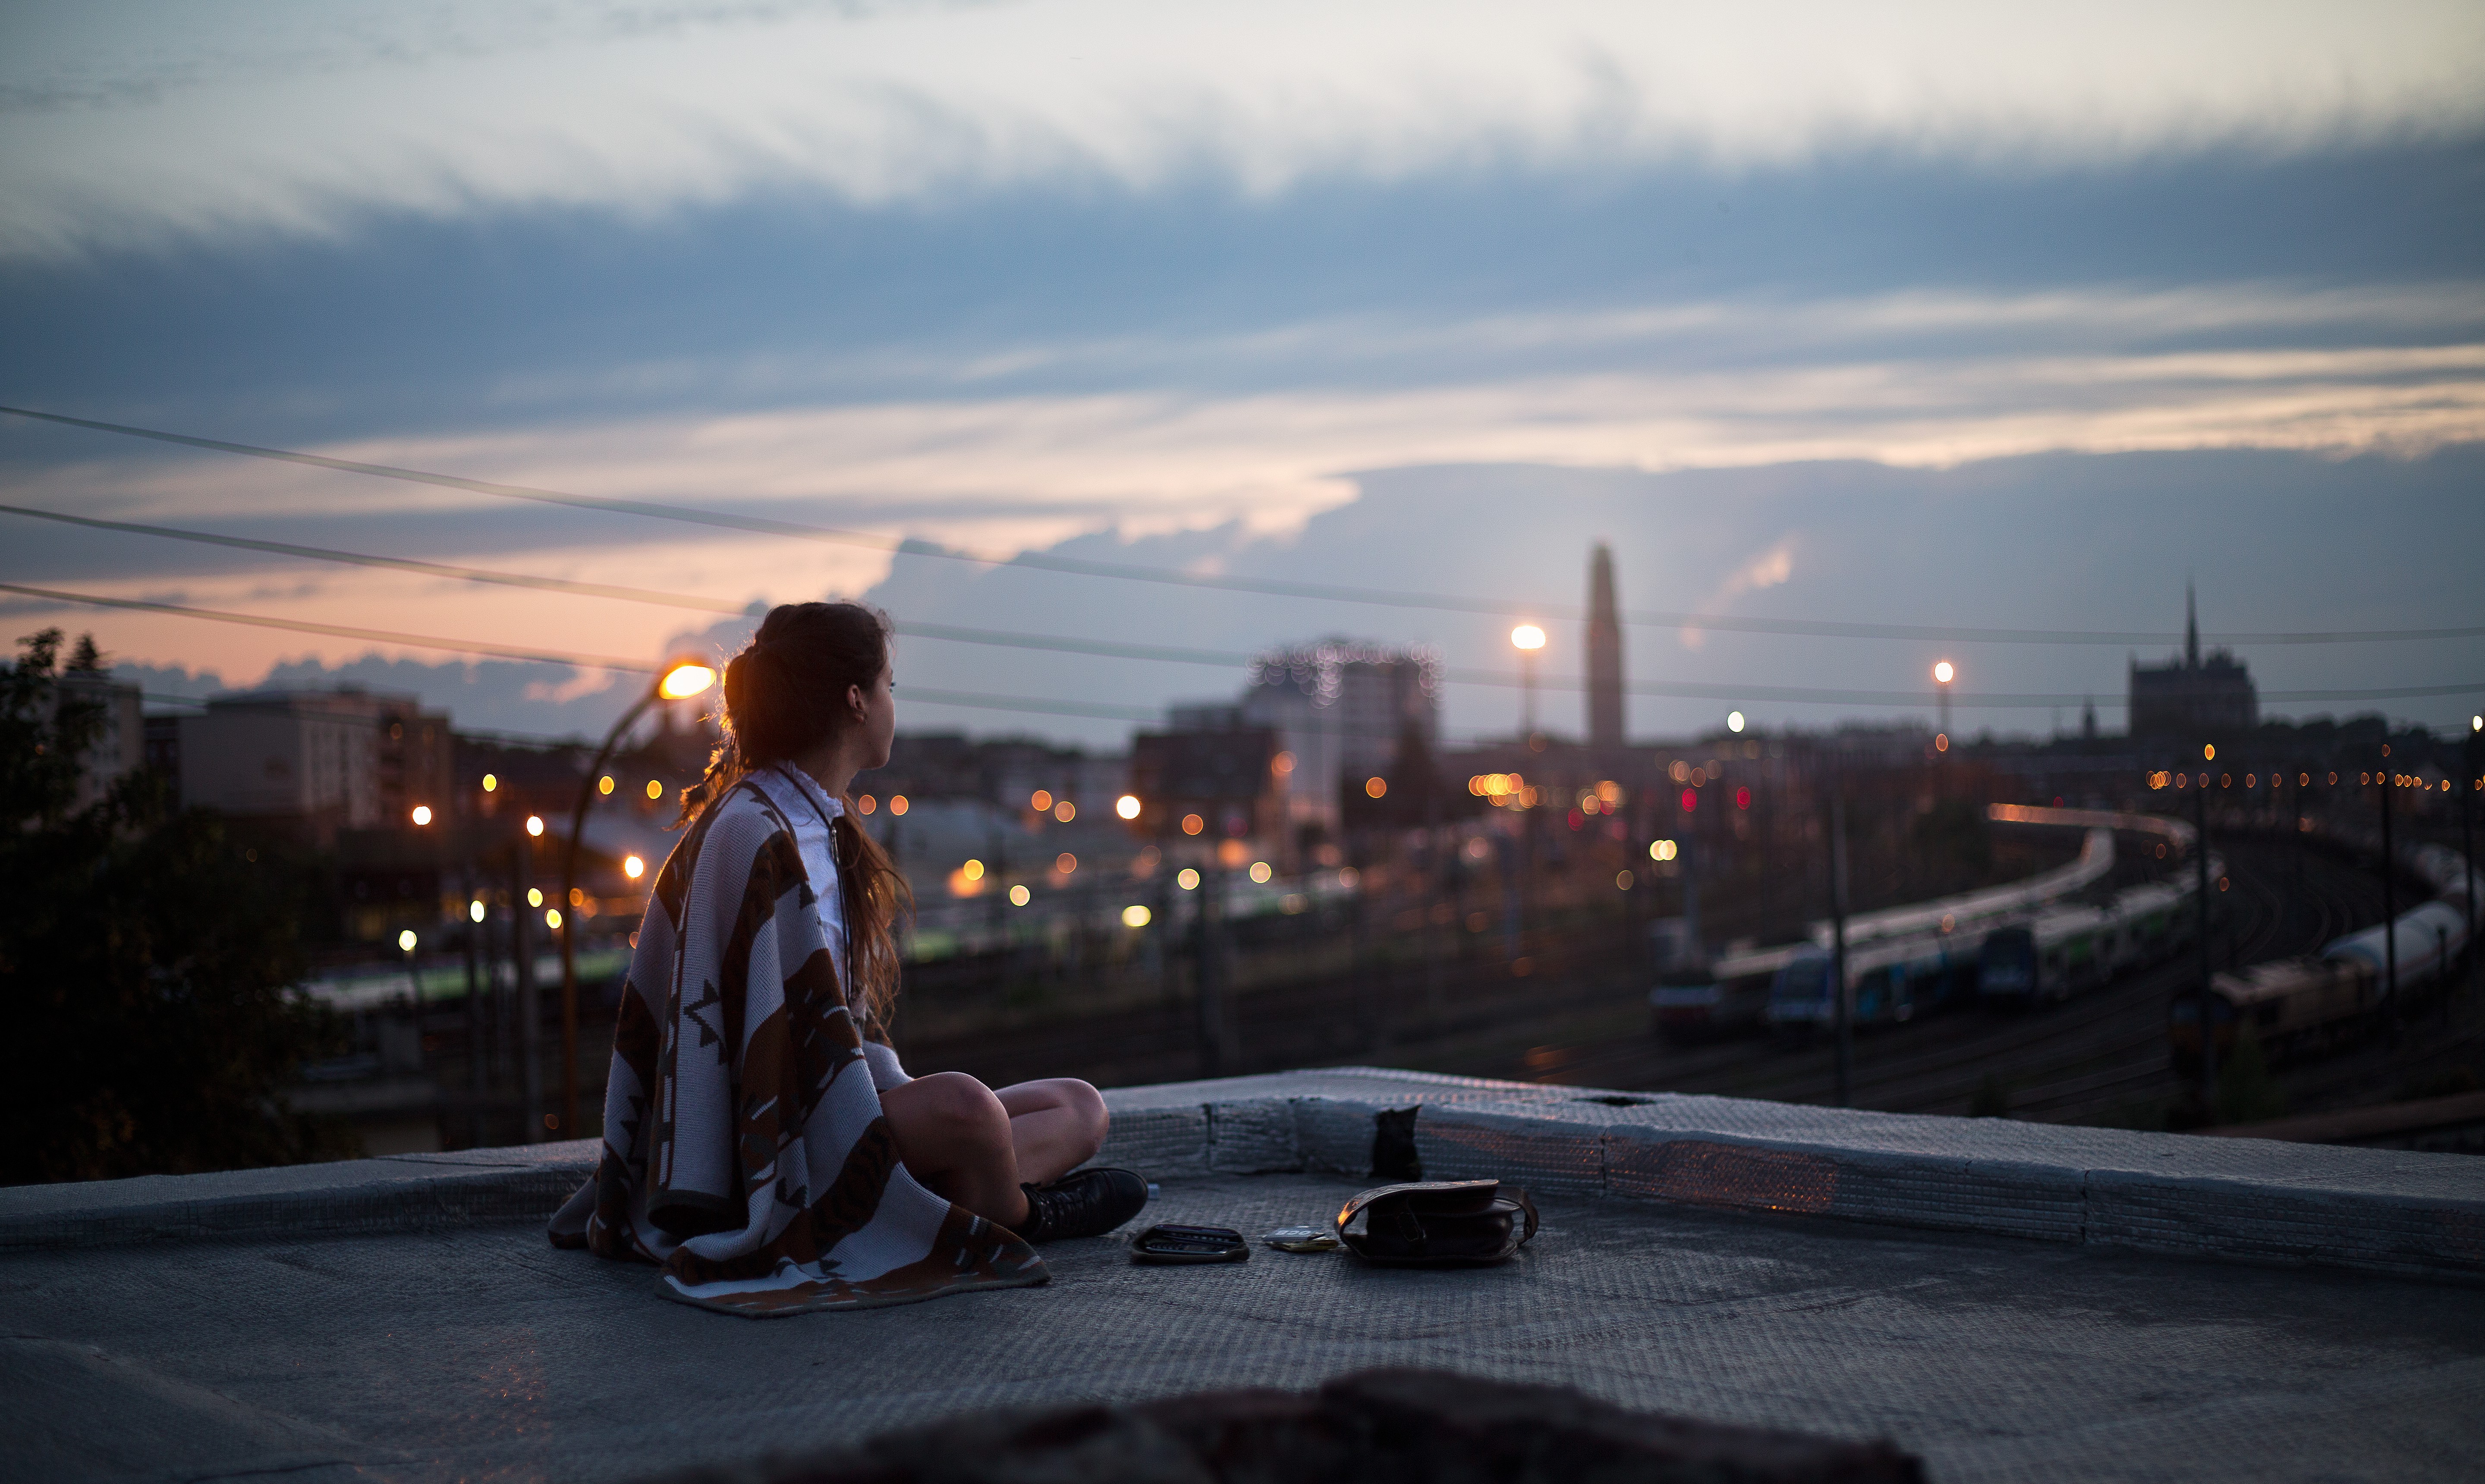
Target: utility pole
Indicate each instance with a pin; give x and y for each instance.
(522, 911)
(1845, 997)
(2200, 872)
(473, 1014)
(2390, 898)
(2467, 833)
(1211, 973)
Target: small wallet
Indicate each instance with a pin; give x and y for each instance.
(1438, 1223)
(1171, 1243)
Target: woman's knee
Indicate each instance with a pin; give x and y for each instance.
(951, 1109)
(1087, 1105)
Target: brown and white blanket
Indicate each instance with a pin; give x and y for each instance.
(744, 1152)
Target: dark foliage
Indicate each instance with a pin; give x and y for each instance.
(145, 961)
(1417, 793)
(1953, 836)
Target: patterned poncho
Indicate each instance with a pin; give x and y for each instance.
(744, 1152)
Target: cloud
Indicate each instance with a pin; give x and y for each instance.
(134, 123)
(1770, 568)
(1270, 423)
(2277, 540)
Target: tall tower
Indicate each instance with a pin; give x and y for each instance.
(2191, 628)
(1605, 653)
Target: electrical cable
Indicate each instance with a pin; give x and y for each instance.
(1794, 693)
(1073, 567)
(627, 595)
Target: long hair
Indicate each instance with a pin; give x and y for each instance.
(784, 696)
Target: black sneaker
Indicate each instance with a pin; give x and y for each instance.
(1085, 1203)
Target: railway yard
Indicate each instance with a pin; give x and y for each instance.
(2099, 1057)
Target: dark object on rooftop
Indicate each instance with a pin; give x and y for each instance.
(1393, 1144)
(1372, 1427)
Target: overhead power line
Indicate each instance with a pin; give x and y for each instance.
(345, 631)
(1109, 649)
(1794, 693)
(1266, 587)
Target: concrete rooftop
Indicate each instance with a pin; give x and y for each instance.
(454, 1342)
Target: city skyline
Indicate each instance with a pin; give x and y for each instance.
(1949, 321)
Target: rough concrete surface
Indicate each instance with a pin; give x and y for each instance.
(479, 1352)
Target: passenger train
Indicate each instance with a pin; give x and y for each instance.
(1903, 961)
(2305, 1006)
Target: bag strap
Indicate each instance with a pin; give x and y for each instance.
(1514, 1192)
(1355, 1206)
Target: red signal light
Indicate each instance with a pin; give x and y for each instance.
(1742, 798)
(1690, 800)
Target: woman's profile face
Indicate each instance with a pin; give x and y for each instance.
(878, 707)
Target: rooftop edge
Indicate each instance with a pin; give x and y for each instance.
(2410, 1214)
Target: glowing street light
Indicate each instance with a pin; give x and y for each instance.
(1943, 673)
(1734, 721)
(1527, 639)
(1127, 805)
(685, 679)
(422, 813)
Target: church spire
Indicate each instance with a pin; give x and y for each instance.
(2191, 628)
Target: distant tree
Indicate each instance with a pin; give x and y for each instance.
(145, 964)
(1414, 792)
(1953, 836)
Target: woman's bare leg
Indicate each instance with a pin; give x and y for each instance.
(1055, 1126)
(960, 1140)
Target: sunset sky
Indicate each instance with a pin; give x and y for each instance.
(1960, 317)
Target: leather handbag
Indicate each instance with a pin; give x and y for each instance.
(1438, 1223)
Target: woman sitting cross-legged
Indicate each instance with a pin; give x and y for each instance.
(761, 1140)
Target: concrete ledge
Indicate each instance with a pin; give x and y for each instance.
(2229, 1200)
(401, 1193)
(2238, 1200)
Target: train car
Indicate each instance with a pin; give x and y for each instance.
(1980, 910)
(1892, 982)
(1727, 994)
(2153, 919)
(2431, 938)
(2058, 952)
(2298, 1006)
(2051, 959)
(2294, 1006)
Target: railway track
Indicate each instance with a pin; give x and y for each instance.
(2097, 1053)
(1584, 1022)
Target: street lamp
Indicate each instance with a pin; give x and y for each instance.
(2466, 827)
(1943, 673)
(1527, 639)
(2201, 884)
(679, 680)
